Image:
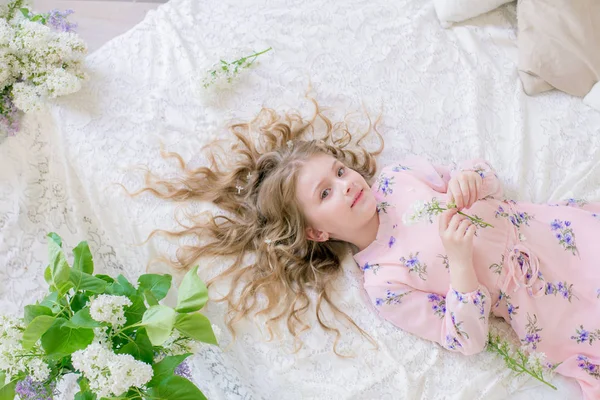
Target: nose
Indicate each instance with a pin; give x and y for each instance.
(348, 187)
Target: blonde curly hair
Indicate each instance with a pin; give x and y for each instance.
(262, 216)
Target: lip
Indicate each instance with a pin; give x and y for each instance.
(357, 198)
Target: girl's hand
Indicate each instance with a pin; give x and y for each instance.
(457, 232)
(464, 189)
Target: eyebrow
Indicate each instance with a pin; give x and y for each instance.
(321, 181)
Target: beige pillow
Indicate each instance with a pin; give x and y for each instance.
(559, 45)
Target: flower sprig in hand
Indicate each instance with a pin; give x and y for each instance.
(463, 191)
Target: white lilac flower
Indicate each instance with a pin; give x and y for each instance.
(108, 308)
(418, 214)
(27, 97)
(61, 83)
(110, 374)
(14, 359)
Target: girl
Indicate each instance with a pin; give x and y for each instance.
(296, 200)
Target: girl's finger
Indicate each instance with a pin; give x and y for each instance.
(462, 228)
(472, 192)
(464, 188)
(445, 219)
(456, 193)
(471, 231)
(454, 222)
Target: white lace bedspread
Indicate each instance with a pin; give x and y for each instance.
(448, 94)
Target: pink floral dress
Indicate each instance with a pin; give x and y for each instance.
(538, 268)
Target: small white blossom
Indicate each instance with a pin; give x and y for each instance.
(14, 359)
(27, 97)
(110, 374)
(108, 308)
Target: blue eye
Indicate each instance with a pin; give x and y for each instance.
(341, 171)
(325, 193)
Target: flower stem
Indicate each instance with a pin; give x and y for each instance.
(516, 366)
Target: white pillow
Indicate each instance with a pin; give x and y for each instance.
(449, 11)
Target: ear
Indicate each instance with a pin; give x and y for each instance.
(316, 235)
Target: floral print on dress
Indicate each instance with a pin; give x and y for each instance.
(400, 167)
(371, 267)
(497, 268)
(584, 336)
(391, 298)
(452, 343)
(460, 297)
(575, 202)
(439, 304)
(482, 171)
(585, 364)
(565, 235)
(532, 338)
(391, 241)
(479, 300)
(458, 326)
(598, 293)
(382, 206)
(517, 218)
(445, 261)
(511, 308)
(415, 265)
(385, 184)
(560, 288)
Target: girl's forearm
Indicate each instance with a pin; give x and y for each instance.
(462, 276)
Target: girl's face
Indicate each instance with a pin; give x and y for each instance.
(336, 200)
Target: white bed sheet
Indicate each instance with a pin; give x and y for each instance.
(447, 94)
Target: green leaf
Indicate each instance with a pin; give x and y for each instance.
(196, 326)
(140, 349)
(7, 389)
(82, 319)
(159, 321)
(25, 12)
(79, 301)
(121, 287)
(159, 285)
(87, 395)
(59, 268)
(60, 341)
(36, 18)
(135, 312)
(150, 299)
(192, 293)
(165, 368)
(83, 258)
(105, 278)
(176, 388)
(85, 281)
(34, 310)
(36, 329)
(53, 302)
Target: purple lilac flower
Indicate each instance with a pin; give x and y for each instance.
(58, 21)
(183, 370)
(378, 301)
(29, 389)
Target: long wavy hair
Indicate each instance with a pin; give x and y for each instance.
(254, 181)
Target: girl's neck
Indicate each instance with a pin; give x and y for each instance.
(368, 234)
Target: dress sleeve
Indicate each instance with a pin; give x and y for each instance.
(457, 321)
(492, 186)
